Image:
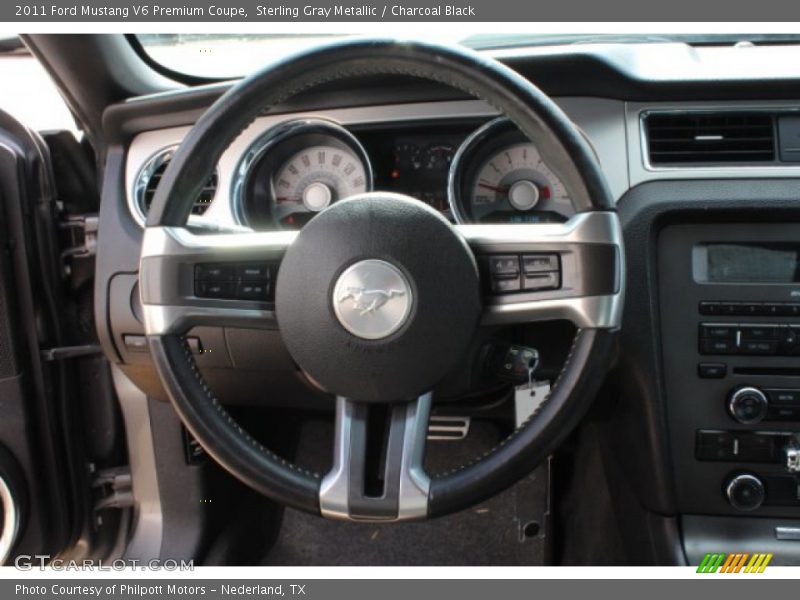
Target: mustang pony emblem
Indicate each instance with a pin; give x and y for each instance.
(368, 301)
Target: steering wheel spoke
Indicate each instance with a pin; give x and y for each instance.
(189, 279)
(553, 271)
(378, 477)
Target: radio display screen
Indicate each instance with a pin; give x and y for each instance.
(751, 263)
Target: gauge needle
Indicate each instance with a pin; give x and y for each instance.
(281, 199)
(494, 188)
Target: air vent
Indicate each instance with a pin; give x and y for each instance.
(149, 177)
(710, 138)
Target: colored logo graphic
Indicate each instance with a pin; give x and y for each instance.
(734, 563)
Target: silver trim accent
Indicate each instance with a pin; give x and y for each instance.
(602, 119)
(598, 227)
(392, 299)
(179, 313)
(414, 482)
(754, 391)
(278, 134)
(645, 142)
(787, 533)
(224, 213)
(182, 244)
(161, 319)
(486, 133)
(142, 179)
(639, 163)
(583, 228)
(333, 491)
(586, 312)
(457, 163)
(732, 484)
(792, 454)
(171, 241)
(415, 485)
(11, 521)
(439, 426)
(146, 537)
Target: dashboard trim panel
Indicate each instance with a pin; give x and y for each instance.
(601, 119)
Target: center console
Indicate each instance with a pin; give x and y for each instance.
(730, 324)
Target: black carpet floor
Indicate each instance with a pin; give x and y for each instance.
(510, 529)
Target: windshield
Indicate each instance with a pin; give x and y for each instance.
(218, 56)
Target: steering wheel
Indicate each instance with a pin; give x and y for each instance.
(364, 309)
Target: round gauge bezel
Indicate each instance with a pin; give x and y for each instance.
(253, 191)
(488, 139)
(142, 180)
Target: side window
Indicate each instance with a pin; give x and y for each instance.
(28, 93)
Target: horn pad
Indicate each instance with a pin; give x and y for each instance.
(378, 298)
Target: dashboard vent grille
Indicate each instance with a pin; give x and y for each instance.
(150, 176)
(708, 138)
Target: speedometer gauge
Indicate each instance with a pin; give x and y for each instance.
(297, 170)
(516, 177)
(500, 177)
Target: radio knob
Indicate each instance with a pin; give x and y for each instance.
(748, 405)
(745, 492)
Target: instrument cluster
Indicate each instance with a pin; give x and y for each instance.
(471, 173)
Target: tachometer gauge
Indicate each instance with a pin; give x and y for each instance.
(314, 178)
(499, 177)
(299, 169)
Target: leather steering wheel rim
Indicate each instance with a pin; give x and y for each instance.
(513, 96)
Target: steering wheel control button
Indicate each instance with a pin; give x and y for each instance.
(234, 281)
(506, 285)
(542, 281)
(252, 290)
(253, 272)
(363, 304)
(748, 405)
(745, 492)
(372, 299)
(539, 272)
(215, 289)
(504, 267)
(214, 272)
(539, 263)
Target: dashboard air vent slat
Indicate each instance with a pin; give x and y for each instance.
(709, 138)
(150, 176)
